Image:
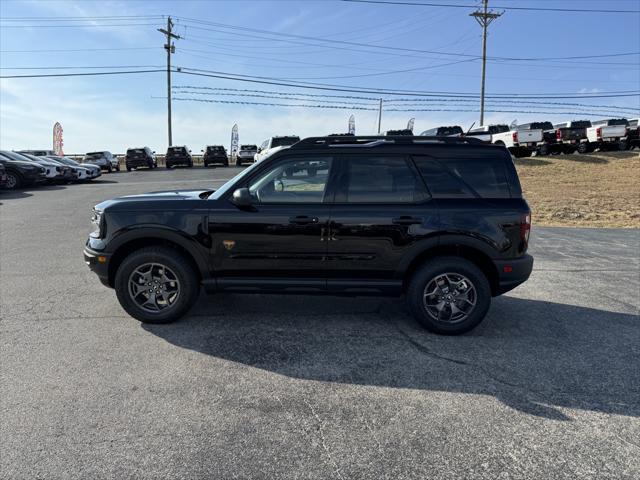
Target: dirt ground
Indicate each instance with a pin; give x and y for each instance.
(600, 189)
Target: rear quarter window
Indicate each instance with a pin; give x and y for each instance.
(465, 177)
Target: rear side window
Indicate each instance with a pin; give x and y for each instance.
(464, 178)
(382, 180)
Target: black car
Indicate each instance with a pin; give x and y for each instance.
(215, 154)
(178, 156)
(3, 176)
(140, 157)
(440, 220)
(21, 172)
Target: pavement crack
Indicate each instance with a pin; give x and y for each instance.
(323, 440)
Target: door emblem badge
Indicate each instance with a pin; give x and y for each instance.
(229, 244)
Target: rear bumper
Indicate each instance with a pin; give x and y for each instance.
(177, 161)
(512, 273)
(138, 162)
(98, 263)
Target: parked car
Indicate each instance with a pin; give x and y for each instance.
(21, 173)
(549, 143)
(105, 160)
(273, 145)
(215, 154)
(55, 173)
(82, 173)
(140, 157)
(452, 131)
(38, 153)
(3, 176)
(572, 135)
(486, 132)
(442, 222)
(246, 154)
(609, 134)
(633, 133)
(178, 155)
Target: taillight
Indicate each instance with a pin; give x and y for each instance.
(558, 134)
(514, 135)
(525, 228)
(599, 132)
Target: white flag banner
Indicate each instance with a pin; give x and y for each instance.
(352, 125)
(410, 124)
(235, 139)
(58, 143)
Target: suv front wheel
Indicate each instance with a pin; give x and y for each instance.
(449, 295)
(156, 285)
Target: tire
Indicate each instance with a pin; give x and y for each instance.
(118, 168)
(190, 165)
(14, 181)
(623, 145)
(177, 268)
(109, 169)
(457, 269)
(544, 150)
(238, 163)
(168, 167)
(128, 168)
(583, 147)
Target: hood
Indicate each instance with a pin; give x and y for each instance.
(154, 197)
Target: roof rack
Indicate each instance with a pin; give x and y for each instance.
(377, 140)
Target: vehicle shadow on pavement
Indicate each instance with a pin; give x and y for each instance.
(537, 357)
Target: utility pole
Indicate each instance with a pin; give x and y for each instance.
(379, 116)
(170, 48)
(484, 18)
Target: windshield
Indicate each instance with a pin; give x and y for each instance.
(447, 131)
(230, 183)
(581, 124)
(248, 147)
(16, 156)
(619, 121)
(284, 141)
(541, 126)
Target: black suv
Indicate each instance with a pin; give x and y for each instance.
(215, 154)
(140, 157)
(178, 156)
(440, 220)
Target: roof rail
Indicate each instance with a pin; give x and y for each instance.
(377, 140)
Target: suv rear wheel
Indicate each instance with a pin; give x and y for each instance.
(156, 285)
(449, 295)
(13, 181)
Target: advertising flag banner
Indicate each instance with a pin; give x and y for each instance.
(410, 124)
(58, 143)
(235, 138)
(352, 125)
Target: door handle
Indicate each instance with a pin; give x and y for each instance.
(407, 220)
(303, 220)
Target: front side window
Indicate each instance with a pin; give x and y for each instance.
(382, 180)
(293, 180)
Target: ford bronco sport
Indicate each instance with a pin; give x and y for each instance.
(440, 220)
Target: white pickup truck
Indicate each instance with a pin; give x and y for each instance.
(608, 134)
(521, 143)
(274, 144)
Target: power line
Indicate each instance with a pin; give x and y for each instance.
(78, 50)
(78, 67)
(540, 9)
(83, 74)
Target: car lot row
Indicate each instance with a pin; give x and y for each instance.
(18, 169)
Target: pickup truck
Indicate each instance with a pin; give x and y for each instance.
(487, 132)
(609, 134)
(452, 131)
(548, 144)
(633, 133)
(520, 143)
(572, 136)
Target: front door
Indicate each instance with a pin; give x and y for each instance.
(278, 243)
(382, 212)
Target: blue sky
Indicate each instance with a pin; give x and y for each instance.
(114, 112)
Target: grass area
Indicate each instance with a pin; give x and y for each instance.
(599, 189)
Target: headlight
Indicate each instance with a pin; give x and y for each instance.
(97, 222)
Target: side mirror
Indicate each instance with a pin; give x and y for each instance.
(242, 197)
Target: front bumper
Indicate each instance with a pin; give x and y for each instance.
(512, 273)
(98, 263)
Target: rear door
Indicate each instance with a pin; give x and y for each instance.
(381, 211)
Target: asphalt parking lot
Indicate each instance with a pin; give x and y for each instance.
(310, 387)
